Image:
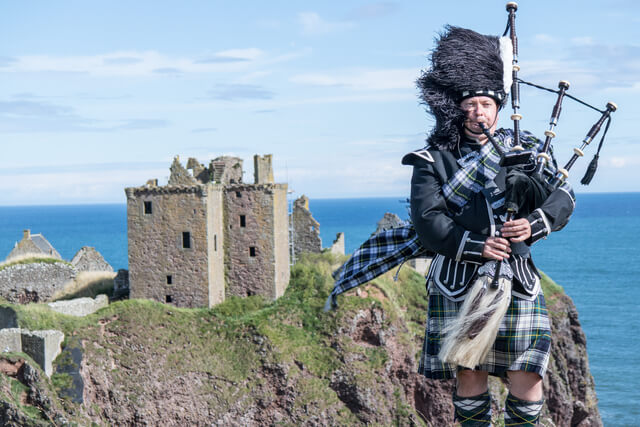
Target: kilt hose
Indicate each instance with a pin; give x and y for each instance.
(523, 342)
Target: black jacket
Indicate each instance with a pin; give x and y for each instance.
(457, 235)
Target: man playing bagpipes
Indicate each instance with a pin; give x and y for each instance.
(459, 216)
(458, 210)
(480, 197)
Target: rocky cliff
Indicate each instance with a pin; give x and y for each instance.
(250, 362)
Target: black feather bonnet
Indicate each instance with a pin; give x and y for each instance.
(463, 64)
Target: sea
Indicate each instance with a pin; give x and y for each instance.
(595, 258)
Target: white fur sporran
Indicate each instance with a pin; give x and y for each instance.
(468, 339)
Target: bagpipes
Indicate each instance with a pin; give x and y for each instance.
(531, 180)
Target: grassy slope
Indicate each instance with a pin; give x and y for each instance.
(229, 341)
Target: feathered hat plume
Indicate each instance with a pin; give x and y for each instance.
(463, 64)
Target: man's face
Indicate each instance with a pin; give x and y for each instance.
(479, 109)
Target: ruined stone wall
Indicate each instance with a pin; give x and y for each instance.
(215, 248)
(88, 259)
(281, 239)
(262, 169)
(80, 307)
(338, 245)
(388, 221)
(198, 171)
(160, 268)
(226, 170)
(34, 282)
(121, 284)
(179, 174)
(306, 230)
(249, 242)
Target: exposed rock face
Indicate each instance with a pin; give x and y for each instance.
(569, 386)
(34, 282)
(35, 394)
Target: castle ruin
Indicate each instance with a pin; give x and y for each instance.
(207, 235)
(306, 229)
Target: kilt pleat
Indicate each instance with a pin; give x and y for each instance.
(523, 342)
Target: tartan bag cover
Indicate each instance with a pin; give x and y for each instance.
(379, 254)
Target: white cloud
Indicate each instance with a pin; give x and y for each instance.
(582, 41)
(375, 10)
(373, 177)
(403, 78)
(248, 54)
(313, 24)
(136, 63)
(544, 38)
(70, 187)
(623, 162)
(363, 97)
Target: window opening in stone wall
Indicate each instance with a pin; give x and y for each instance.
(215, 242)
(168, 298)
(243, 220)
(148, 208)
(169, 279)
(186, 240)
(252, 251)
(238, 194)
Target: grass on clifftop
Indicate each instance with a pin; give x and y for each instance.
(228, 342)
(31, 259)
(87, 284)
(234, 345)
(550, 288)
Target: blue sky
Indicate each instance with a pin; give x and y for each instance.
(99, 96)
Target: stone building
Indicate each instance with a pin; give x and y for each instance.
(35, 280)
(206, 234)
(33, 244)
(88, 259)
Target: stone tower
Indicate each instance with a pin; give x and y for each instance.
(206, 235)
(262, 169)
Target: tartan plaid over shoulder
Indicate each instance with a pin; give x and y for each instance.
(379, 254)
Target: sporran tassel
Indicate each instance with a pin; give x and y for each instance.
(469, 338)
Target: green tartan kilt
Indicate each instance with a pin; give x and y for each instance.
(523, 342)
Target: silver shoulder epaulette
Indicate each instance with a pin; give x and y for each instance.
(422, 153)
